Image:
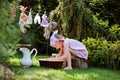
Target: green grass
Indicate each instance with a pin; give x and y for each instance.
(39, 73)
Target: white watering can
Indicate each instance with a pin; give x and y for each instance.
(26, 61)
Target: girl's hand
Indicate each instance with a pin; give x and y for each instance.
(51, 58)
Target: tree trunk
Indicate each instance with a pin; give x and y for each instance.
(79, 63)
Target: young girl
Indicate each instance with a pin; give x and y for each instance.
(68, 48)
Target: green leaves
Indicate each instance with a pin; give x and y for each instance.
(114, 29)
(103, 53)
(9, 32)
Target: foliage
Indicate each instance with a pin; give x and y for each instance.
(95, 44)
(108, 10)
(48, 5)
(113, 55)
(103, 53)
(71, 22)
(100, 21)
(109, 28)
(114, 32)
(96, 49)
(80, 22)
(9, 32)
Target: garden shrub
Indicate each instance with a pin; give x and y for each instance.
(9, 32)
(113, 56)
(96, 49)
(103, 53)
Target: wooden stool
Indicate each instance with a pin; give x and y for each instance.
(79, 63)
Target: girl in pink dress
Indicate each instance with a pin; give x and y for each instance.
(68, 48)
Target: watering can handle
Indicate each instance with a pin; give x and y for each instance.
(35, 52)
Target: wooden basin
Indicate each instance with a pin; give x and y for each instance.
(50, 63)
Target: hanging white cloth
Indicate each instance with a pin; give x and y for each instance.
(29, 19)
(37, 19)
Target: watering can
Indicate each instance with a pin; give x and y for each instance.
(26, 61)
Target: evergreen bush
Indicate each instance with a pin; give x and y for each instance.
(9, 32)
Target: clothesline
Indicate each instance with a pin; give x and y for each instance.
(58, 10)
(37, 19)
(32, 12)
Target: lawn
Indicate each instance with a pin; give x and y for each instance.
(39, 73)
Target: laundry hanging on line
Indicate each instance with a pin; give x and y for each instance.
(29, 18)
(44, 20)
(37, 19)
